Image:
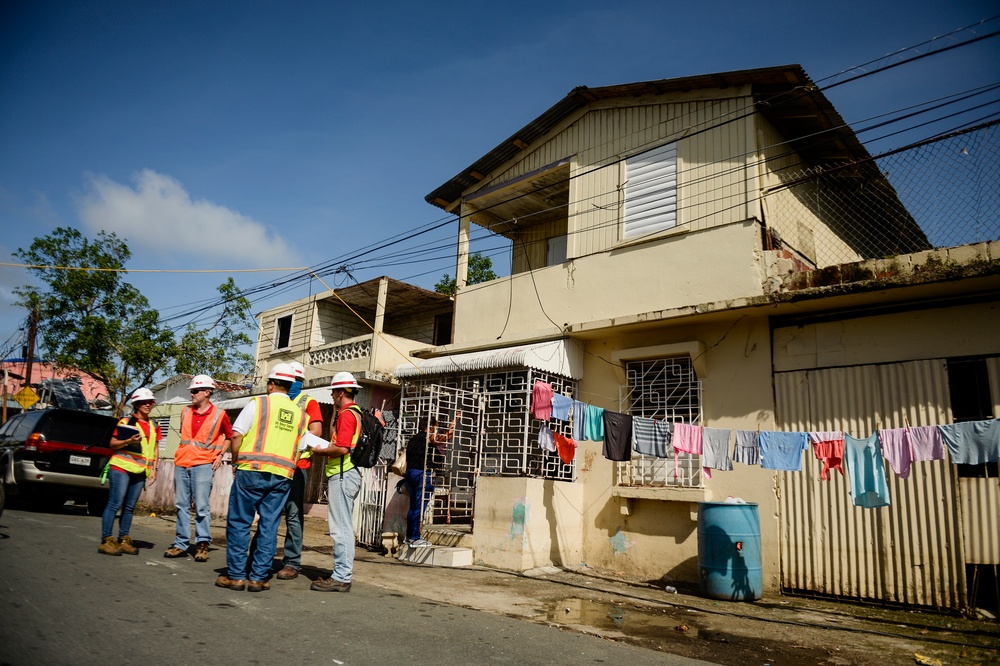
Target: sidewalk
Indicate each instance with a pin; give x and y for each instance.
(775, 630)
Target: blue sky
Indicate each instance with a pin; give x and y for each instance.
(234, 135)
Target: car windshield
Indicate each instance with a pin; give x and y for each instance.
(61, 427)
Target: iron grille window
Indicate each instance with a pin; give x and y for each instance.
(662, 389)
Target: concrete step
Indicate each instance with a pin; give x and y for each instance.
(438, 556)
(442, 535)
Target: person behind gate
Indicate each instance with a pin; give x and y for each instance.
(265, 450)
(343, 482)
(419, 472)
(205, 434)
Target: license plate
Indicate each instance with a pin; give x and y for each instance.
(79, 460)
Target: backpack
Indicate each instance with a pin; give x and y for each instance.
(366, 452)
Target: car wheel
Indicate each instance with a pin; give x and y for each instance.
(96, 504)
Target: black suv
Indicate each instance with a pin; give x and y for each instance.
(56, 454)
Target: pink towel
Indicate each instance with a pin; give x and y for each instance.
(541, 401)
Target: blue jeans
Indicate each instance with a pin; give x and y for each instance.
(294, 521)
(420, 489)
(252, 493)
(342, 490)
(123, 492)
(199, 480)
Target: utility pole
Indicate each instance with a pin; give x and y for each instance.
(32, 332)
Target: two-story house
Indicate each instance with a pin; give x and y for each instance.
(718, 250)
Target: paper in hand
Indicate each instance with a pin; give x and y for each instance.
(311, 441)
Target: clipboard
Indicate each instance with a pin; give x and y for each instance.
(127, 432)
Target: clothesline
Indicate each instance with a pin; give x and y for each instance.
(971, 442)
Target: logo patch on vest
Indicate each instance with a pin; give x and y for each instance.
(285, 419)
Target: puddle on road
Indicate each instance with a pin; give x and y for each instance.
(623, 618)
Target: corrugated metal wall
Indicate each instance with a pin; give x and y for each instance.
(910, 552)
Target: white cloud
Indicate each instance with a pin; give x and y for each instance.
(158, 216)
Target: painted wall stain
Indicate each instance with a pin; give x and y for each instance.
(620, 542)
(519, 518)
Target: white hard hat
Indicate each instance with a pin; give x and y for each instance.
(344, 380)
(282, 372)
(140, 395)
(300, 372)
(202, 382)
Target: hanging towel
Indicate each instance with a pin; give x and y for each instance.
(828, 446)
(541, 400)
(866, 472)
(747, 449)
(545, 439)
(651, 437)
(896, 449)
(926, 443)
(715, 443)
(687, 439)
(595, 423)
(579, 420)
(783, 450)
(972, 442)
(617, 435)
(561, 406)
(565, 446)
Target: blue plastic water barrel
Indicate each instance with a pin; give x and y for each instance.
(729, 559)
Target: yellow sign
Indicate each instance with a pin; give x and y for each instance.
(26, 397)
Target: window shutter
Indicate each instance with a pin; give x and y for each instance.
(650, 192)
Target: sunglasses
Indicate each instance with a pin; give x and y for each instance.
(197, 391)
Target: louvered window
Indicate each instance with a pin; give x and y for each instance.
(650, 192)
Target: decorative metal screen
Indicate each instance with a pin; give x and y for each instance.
(495, 435)
(662, 389)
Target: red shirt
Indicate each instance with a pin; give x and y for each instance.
(144, 427)
(314, 412)
(226, 428)
(347, 425)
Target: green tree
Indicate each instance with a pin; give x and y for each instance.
(480, 270)
(90, 318)
(216, 350)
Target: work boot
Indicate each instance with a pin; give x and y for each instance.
(174, 551)
(109, 547)
(288, 572)
(126, 546)
(201, 555)
(258, 586)
(225, 581)
(329, 585)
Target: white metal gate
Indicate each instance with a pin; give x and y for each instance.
(455, 466)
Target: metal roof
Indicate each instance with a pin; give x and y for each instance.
(786, 96)
(559, 357)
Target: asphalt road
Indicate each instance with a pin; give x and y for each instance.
(61, 602)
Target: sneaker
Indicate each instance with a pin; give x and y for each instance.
(420, 543)
(329, 585)
(288, 572)
(258, 586)
(201, 555)
(126, 546)
(225, 581)
(174, 551)
(109, 547)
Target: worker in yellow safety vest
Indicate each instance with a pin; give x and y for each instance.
(265, 442)
(134, 458)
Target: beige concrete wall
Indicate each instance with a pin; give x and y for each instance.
(711, 265)
(953, 331)
(525, 523)
(659, 536)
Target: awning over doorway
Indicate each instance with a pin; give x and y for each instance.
(559, 357)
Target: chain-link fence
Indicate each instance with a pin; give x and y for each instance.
(939, 193)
